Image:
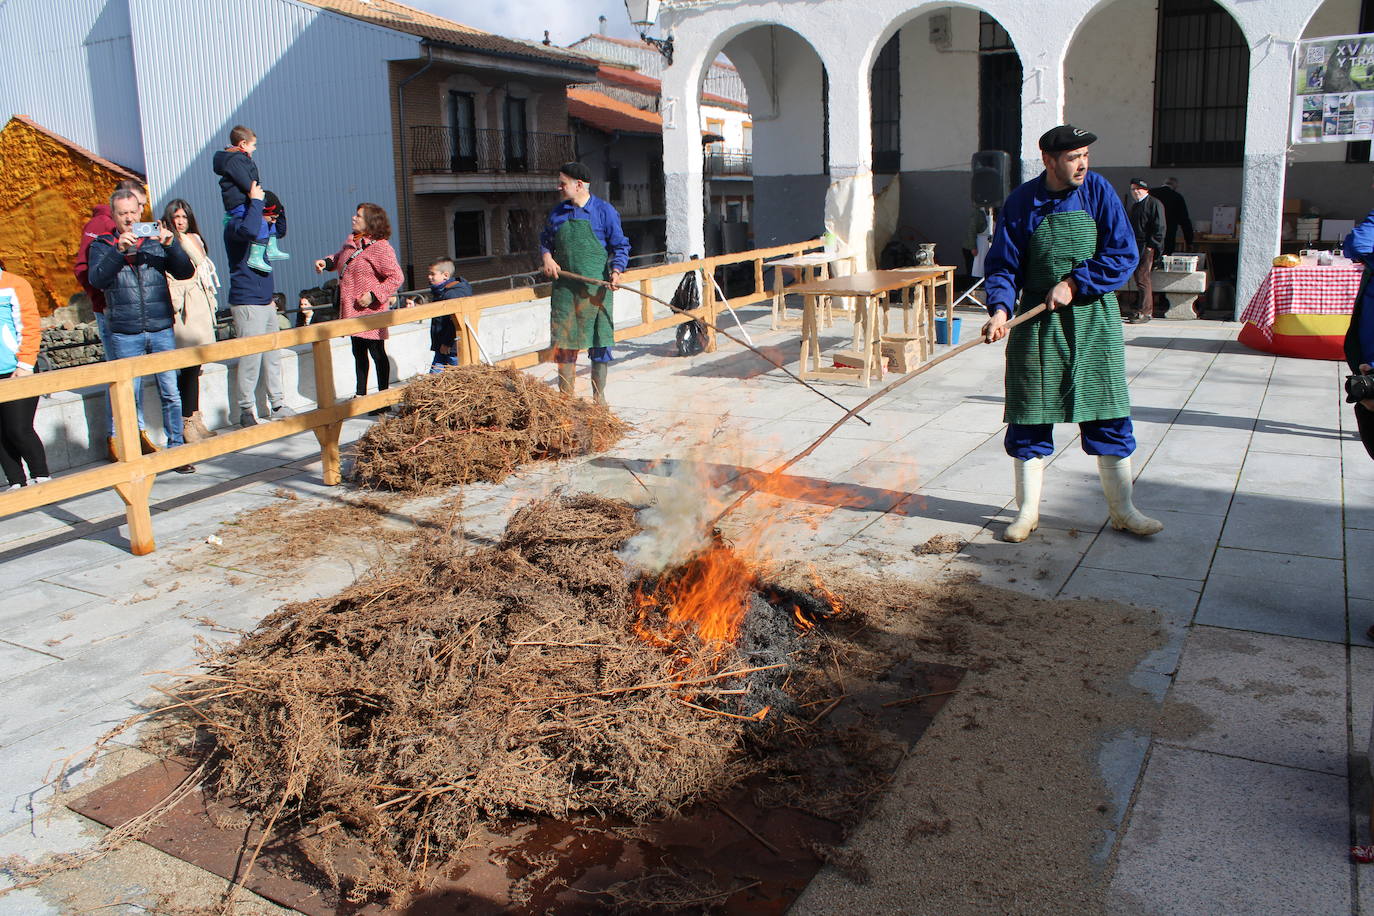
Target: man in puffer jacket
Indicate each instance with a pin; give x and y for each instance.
(131, 270)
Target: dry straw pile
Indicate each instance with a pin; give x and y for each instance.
(477, 423)
(382, 724)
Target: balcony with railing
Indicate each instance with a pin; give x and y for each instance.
(634, 201)
(729, 163)
(439, 149)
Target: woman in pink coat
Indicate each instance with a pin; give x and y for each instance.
(368, 277)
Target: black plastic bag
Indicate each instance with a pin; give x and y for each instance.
(691, 335)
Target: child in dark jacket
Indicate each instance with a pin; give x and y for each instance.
(237, 174)
(443, 331)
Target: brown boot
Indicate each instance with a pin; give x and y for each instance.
(145, 443)
(189, 432)
(109, 449)
(205, 431)
(567, 372)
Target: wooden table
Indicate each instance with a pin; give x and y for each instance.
(867, 289)
(813, 267)
(931, 279)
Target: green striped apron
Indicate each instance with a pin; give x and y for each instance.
(1068, 365)
(580, 312)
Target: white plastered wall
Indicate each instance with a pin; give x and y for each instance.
(848, 33)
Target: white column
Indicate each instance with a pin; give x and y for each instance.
(1042, 89)
(1266, 156)
(851, 159)
(682, 158)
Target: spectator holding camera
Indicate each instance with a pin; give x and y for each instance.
(131, 266)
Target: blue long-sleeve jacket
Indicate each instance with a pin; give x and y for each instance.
(605, 224)
(1024, 211)
(443, 332)
(246, 285)
(1359, 340)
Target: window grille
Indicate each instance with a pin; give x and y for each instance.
(1202, 78)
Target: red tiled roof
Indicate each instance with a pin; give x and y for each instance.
(79, 150)
(393, 15)
(633, 79)
(598, 110)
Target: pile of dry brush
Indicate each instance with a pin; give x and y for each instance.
(477, 423)
(379, 726)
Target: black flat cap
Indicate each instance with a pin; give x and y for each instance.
(1065, 137)
(1140, 183)
(576, 170)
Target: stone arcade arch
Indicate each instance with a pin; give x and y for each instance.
(959, 82)
(848, 34)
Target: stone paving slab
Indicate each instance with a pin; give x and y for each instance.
(1273, 699)
(1183, 550)
(1272, 841)
(1309, 528)
(1275, 593)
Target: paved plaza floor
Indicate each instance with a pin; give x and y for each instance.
(1250, 460)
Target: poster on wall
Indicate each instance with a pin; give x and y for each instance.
(1333, 89)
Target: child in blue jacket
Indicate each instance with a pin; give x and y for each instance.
(443, 331)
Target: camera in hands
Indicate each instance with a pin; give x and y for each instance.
(1358, 388)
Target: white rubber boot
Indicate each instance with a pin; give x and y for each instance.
(1116, 485)
(1030, 475)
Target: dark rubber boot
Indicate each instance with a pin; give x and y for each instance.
(566, 374)
(599, 382)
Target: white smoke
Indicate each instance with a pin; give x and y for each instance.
(675, 525)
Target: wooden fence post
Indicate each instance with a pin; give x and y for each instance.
(708, 304)
(646, 309)
(758, 277)
(134, 491)
(322, 355)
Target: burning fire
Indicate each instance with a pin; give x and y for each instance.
(704, 586)
(708, 595)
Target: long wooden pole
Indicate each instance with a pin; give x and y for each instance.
(713, 326)
(1020, 319)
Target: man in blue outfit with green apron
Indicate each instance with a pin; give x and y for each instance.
(1064, 240)
(582, 236)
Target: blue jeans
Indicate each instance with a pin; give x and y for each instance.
(103, 329)
(1114, 438)
(119, 346)
(442, 361)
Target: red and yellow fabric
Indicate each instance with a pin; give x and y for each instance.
(1302, 311)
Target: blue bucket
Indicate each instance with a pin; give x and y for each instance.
(942, 333)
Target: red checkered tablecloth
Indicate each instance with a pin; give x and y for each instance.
(1306, 290)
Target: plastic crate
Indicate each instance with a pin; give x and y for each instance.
(1180, 263)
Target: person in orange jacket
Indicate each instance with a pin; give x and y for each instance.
(20, 336)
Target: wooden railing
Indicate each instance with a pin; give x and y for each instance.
(133, 473)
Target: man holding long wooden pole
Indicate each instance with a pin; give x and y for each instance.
(1064, 240)
(583, 236)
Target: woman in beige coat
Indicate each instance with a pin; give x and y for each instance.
(193, 311)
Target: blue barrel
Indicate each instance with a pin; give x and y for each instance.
(942, 332)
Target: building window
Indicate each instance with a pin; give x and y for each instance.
(469, 234)
(521, 235)
(615, 191)
(886, 91)
(1202, 78)
(462, 126)
(747, 131)
(517, 138)
(999, 89)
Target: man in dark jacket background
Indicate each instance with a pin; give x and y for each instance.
(1175, 215)
(250, 302)
(1147, 221)
(131, 270)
